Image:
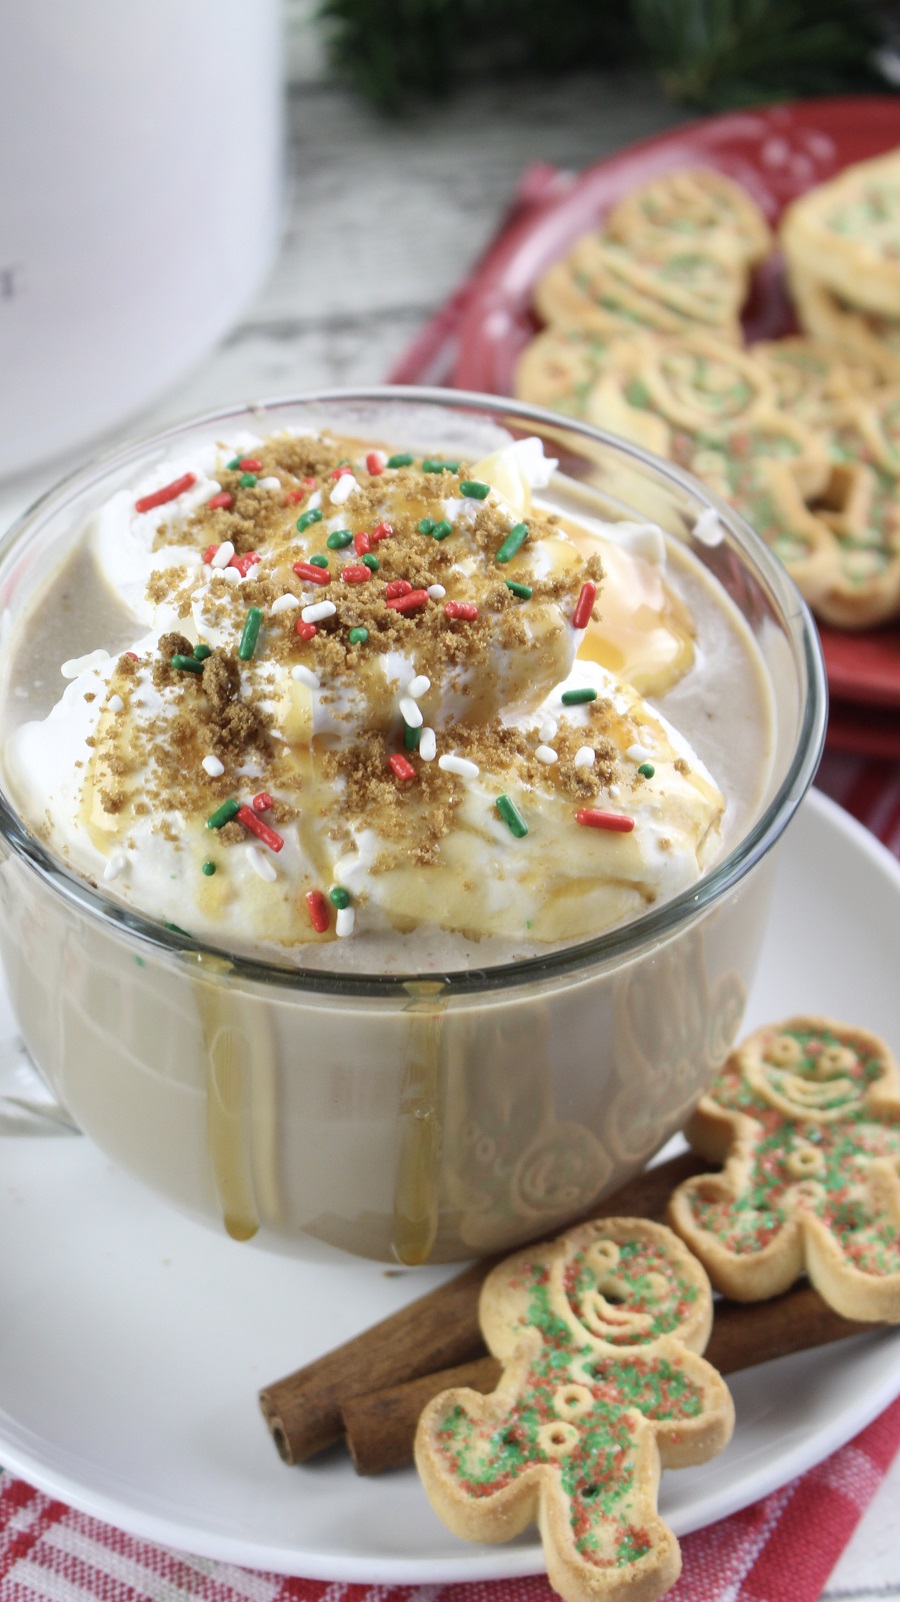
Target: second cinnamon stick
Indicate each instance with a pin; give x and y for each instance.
(303, 1410)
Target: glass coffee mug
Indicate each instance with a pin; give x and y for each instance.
(426, 1116)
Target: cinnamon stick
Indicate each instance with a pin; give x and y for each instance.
(380, 1427)
(303, 1410)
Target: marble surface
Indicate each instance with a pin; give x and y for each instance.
(382, 220)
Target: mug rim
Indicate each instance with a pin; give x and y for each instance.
(615, 945)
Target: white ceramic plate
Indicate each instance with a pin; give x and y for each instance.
(133, 1342)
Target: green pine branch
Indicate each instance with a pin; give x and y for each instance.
(707, 53)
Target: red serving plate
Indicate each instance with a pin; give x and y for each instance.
(777, 153)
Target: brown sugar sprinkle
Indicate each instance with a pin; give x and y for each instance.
(222, 709)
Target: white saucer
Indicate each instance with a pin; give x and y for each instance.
(133, 1342)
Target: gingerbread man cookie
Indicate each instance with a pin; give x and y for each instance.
(806, 1117)
(599, 1333)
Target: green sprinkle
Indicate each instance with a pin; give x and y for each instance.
(315, 516)
(576, 697)
(248, 480)
(319, 560)
(235, 462)
(339, 539)
(411, 737)
(441, 529)
(358, 636)
(339, 897)
(433, 464)
(646, 770)
(511, 816)
(201, 652)
(177, 929)
(250, 634)
(514, 541)
(523, 591)
(474, 490)
(371, 562)
(426, 526)
(404, 459)
(186, 664)
(209, 869)
(223, 814)
(140, 962)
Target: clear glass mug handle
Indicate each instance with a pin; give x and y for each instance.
(27, 1104)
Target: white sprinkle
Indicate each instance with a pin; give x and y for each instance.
(436, 591)
(418, 686)
(284, 603)
(547, 729)
(458, 764)
(305, 675)
(638, 753)
(411, 713)
(318, 611)
(343, 489)
(547, 755)
(79, 664)
(261, 864)
(343, 923)
(213, 766)
(271, 483)
(708, 529)
(223, 555)
(428, 745)
(233, 575)
(314, 502)
(116, 704)
(614, 790)
(584, 757)
(116, 865)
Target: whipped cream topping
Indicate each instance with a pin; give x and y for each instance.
(353, 706)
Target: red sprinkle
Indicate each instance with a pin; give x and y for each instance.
(382, 531)
(402, 768)
(306, 631)
(584, 606)
(355, 575)
(464, 609)
(245, 562)
(250, 464)
(591, 819)
(293, 496)
(318, 910)
(362, 543)
(134, 656)
(262, 831)
(408, 603)
(312, 574)
(210, 552)
(169, 492)
(262, 802)
(340, 472)
(374, 463)
(397, 587)
(222, 499)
